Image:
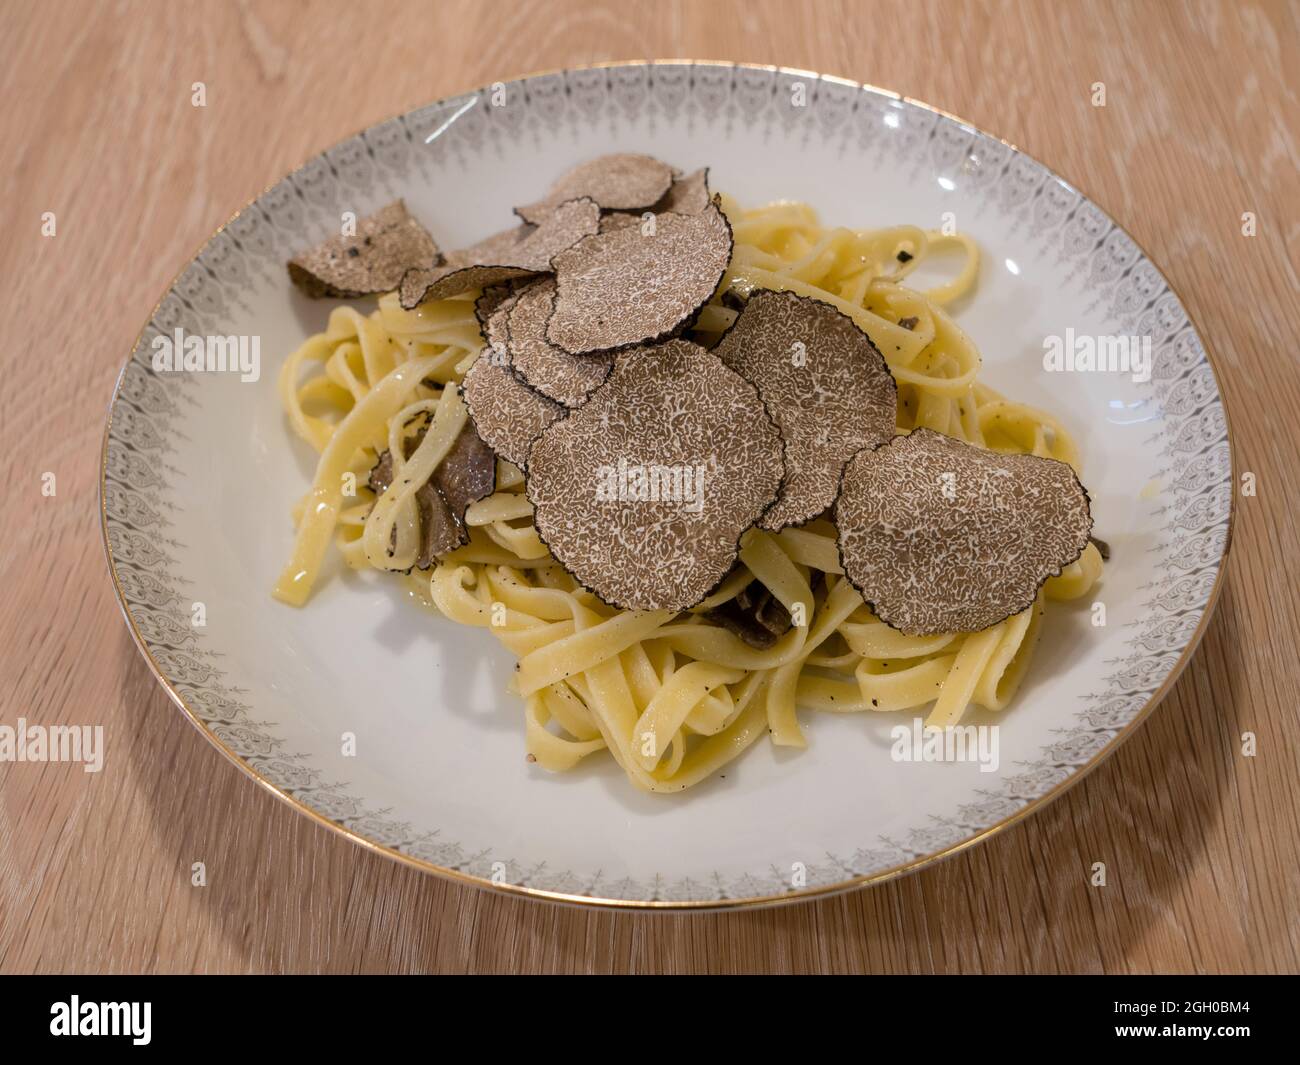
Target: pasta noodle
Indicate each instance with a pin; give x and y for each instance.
(672, 698)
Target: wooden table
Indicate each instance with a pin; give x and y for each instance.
(1202, 845)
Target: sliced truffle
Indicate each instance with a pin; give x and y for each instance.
(569, 223)
(508, 414)
(492, 248)
(497, 332)
(441, 530)
(628, 286)
(942, 536)
(488, 301)
(567, 379)
(826, 384)
(465, 475)
(620, 220)
(619, 182)
(643, 493)
(449, 280)
(755, 615)
(387, 244)
(687, 195)
(381, 474)
(498, 261)
(733, 299)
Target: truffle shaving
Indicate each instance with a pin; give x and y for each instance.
(643, 493)
(466, 475)
(619, 182)
(499, 261)
(508, 414)
(381, 474)
(387, 244)
(567, 379)
(493, 248)
(446, 281)
(627, 286)
(497, 332)
(942, 536)
(687, 195)
(489, 300)
(619, 220)
(826, 385)
(755, 615)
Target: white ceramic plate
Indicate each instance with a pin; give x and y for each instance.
(200, 471)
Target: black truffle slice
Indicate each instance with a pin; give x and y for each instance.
(567, 379)
(755, 615)
(687, 195)
(499, 261)
(618, 182)
(497, 332)
(619, 220)
(466, 474)
(628, 287)
(381, 474)
(387, 244)
(441, 531)
(642, 493)
(449, 280)
(489, 300)
(942, 536)
(826, 384)
(491, 248)
(508, 414)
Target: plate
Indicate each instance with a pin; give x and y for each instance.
(200, 471)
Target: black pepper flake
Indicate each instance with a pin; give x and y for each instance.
(908, 323)
(904, 256)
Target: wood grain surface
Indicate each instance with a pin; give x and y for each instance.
(1201, 843)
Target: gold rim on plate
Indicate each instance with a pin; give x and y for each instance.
(519, 890)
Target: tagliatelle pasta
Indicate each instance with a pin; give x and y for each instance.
(672, 697)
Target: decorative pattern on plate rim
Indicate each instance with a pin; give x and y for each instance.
(1189, 428)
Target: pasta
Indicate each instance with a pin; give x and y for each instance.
(671, 697)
